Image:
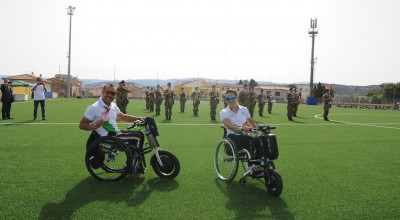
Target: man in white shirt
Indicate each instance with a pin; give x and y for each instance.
(102, 115)
(38, 97)
(234, 118)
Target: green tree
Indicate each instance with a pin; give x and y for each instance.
(253, 83)
(240, 82)
(292, 86)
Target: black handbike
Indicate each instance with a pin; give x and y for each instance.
(111, 158)
(228, 155)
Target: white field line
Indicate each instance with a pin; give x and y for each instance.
(362, 124)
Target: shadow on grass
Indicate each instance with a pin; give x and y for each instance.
(90, 190)
(18, 123)
(250, 201)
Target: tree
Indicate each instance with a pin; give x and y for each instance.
(253, 83)
(292, 86)
(240, 82)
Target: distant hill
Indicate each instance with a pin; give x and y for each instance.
(354, 90)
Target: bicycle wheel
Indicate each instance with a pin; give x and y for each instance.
(275, 185)
(108, 159)
(226, 161)
(171, 166)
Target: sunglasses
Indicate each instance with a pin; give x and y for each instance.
(109, 92)
(230, 97)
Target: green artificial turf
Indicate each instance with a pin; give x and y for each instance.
(348, 168)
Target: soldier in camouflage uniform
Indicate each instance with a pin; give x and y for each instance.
(169, 101)
(196, 100)
(122, 97)
(225, 101)
(159, 93)
(290, 100)
(327, 104)
(243, 95)
(213, 102)
(296, 102)
(269, 98)
(251, 105)
(151, 100)
(147, 97)
(182, 99)
(261, 102)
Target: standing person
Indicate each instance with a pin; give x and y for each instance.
(261, 102)
(289, 98)
(182, 99)
(251, 105)
(327, 104)
(296, 102)
(243, 96)
(213, 102)
(196, 100)
(38, 97)
(169, 101)
(234, 117)
(151, 100)
(122, 97)
(147, 97)
(101, 117)
(6, 98)
(225, 101)
(159, 93)
(269, 98)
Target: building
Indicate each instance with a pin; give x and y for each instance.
(59, 85)
(30, 79)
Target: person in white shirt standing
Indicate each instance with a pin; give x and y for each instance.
(38, 97)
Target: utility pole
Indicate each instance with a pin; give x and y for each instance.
(313, 31)
(70, 13)
(59, 75)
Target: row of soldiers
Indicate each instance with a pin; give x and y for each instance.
(156, 97)
(293, 103)
(247, 98)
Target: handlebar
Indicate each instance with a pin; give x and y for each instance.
(137, 123)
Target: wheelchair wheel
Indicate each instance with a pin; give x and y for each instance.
(108, 159)
(170, 168)
(226, 160)
(275, 186)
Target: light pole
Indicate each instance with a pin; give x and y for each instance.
(312, 31)
(70, 13)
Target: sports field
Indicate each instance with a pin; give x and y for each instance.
(348, 168)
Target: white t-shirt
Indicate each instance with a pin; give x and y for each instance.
(38, 93)
(97, 111)
(237, 119)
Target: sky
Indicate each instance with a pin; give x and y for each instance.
(267, 40)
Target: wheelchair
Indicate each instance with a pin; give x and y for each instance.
(113, 157)
(228, 155)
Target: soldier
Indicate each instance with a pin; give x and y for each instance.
(169, 101)
(159, 93)
(225, 101)
(251, 105)
(296, 102)
(122, 97)
(269, 98)
(151, 100)
(327, 104)
(196, 100)
(289, 98)
(261, 102)
(213, 102)
(243, 96)
(182, 99)
(147, 97)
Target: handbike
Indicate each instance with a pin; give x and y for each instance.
(111, 158)
(228, 155)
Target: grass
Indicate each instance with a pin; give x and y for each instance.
(343, 169)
